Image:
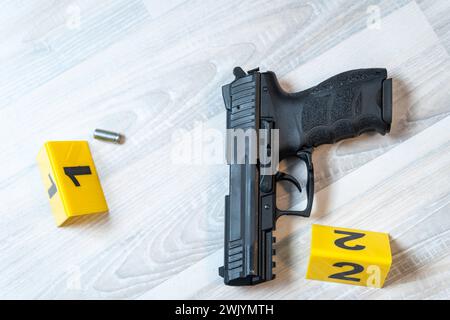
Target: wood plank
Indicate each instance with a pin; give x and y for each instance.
(387, 195)
(437, 13)
(148, 70)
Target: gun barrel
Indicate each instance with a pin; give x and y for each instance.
(248, 248)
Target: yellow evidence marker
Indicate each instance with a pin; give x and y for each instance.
(71, 180)
(349, 256)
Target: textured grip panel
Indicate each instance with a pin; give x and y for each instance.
(342, 129)
(344, 106)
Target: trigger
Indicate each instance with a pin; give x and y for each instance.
(281, 176)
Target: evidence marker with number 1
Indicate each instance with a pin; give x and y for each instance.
(70, 180)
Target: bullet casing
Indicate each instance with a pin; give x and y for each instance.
(109, 136)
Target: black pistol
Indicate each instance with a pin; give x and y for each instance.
(343, 106)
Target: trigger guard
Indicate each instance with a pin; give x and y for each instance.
(306, 156)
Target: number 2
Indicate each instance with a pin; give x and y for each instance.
(344, 275)
(350, 236)
(341, 243)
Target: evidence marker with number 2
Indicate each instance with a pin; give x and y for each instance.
(349, 256)
(70, 180)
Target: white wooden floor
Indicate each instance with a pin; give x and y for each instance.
(149, 69)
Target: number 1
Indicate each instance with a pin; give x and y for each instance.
(71, 172)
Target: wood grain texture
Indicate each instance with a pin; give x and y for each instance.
(149, 69)
(375, 196)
